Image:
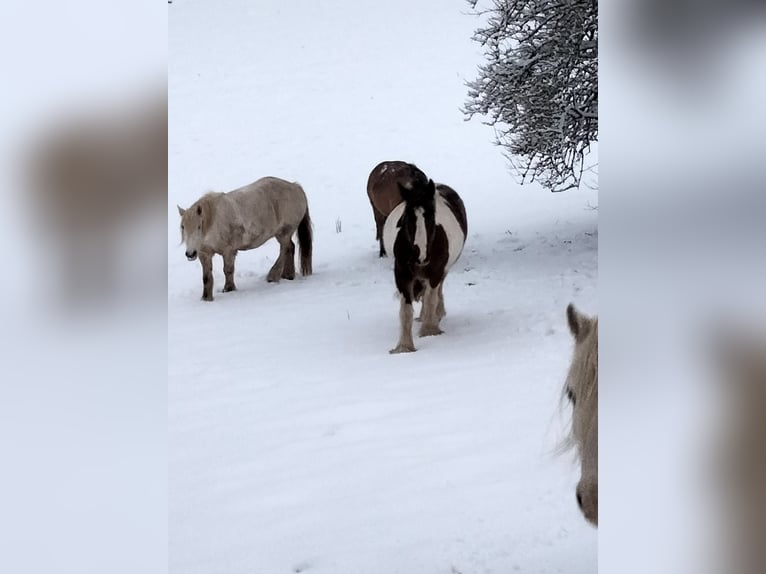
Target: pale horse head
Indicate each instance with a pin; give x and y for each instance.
(193, 227)
(581, 389)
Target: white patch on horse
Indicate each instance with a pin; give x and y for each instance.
(391, 227)
(447, 220)
(421, 238)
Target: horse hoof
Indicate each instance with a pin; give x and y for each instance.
(210, 298)
(288, 277)
(229, 288)
(272, 279)
(402, 349)
(430, 331)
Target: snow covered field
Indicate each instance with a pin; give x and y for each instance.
(296, 442)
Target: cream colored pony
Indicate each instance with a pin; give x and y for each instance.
(243, 219)
(581, 389)
(740, 448)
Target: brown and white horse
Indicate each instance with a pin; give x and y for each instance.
(426, 234)
(383, 191)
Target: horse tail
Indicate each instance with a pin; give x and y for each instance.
(305, 241)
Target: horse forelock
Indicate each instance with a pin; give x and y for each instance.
(205, 207)
(418, 193)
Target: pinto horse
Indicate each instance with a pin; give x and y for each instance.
(426, 234)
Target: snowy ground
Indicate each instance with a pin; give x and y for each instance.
(297, 443)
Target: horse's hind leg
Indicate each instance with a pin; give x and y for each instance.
(380, 221)
(228, 271)
(275, 273)
(430, 314)
(288, 270)
(284, 237)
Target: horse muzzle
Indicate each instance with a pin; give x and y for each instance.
(191, 256)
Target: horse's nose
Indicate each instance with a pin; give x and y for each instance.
(587, 500)
(191, 254)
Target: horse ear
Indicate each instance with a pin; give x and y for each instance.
(181, 210)
(199, 210)
(577, 322)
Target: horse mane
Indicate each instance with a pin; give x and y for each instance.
(587, 364)
(418, 193)
(590, 360)
(206, 207)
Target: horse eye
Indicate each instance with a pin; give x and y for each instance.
(571, 396)
(182, 228)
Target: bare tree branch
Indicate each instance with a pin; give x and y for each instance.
(539, 85)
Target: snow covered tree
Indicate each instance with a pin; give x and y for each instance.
(539, 87)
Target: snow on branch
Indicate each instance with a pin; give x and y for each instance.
(539, 85)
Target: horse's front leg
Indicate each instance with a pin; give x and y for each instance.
(441, 312)
(206, 260)
(406, 345)
(228, 271)
(430, 313)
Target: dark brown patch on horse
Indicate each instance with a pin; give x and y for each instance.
(383, 190)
